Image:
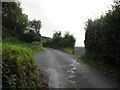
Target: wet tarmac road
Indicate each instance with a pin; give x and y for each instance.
(66, 71)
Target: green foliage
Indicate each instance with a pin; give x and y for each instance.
(19, 68)
(0, 48)
(5, 32)
(44, 39)
(68, 50)
(13, 18)
(68, 41)
(11, 40)
(34, 46)
(102, 38)
(102, 43)
(17, 54)
(15, 23)
(31, 36)
(32, 32)
(35, 25)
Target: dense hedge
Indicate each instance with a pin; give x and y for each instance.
(102, 38)
(19, 68)
(67, 41)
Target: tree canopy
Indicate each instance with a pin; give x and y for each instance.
(15, 23)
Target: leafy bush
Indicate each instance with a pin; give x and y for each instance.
(31, 36)
(34, 46)
(19, 68)
(67, 42)
(5, 32)
(11, 40)
(102, 38)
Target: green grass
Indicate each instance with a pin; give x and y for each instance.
(19, 67)
(34, 46)
(0, 48)
(68, 50)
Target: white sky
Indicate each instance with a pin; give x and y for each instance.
(65, 15)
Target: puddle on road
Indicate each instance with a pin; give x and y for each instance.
(72, 82)
(70, 77)
(73, 68)
(54, 79)
(71, 71)
(75, 62)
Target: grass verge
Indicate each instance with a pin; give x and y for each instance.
(68, 50)
(34, 46)
(110, 71)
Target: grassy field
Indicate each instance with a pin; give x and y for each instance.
(19, 67)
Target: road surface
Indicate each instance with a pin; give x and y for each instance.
(65, 71)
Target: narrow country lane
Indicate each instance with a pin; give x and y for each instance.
(65, 71)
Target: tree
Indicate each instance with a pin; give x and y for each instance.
(56, 41)
(68, 40)
(13, 18)
(102, 37)
(31, 36)
(32, 32)
(35, 25)
(57, 35)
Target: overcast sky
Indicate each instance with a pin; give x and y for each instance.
(65, 15)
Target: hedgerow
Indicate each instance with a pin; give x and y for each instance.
(19, 68)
